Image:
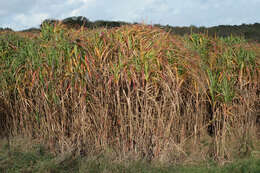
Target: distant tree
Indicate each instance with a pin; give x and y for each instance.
(252, 35)
(34, 30)
(6, 29)
(77, 21)
(49, 22)
(250, 32)
(108, 24)
(160, 26)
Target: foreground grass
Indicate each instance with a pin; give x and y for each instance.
(22, 158)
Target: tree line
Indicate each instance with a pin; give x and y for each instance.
(248, 31)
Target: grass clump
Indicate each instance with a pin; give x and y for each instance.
(135, 90)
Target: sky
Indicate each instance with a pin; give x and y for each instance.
(24, 14)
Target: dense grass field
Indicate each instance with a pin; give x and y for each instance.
(133, 94)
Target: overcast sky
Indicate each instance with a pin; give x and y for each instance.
(23, 14)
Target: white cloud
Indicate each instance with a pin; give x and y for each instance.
(2, 12)
(19, 14)
(79, 1)
(28, 20)
(75, 12)
(87, 1)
